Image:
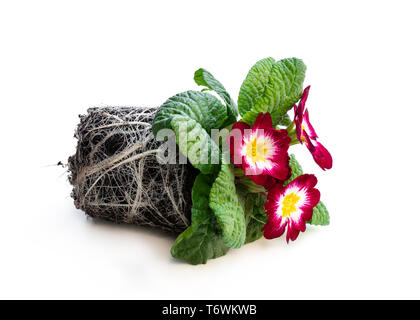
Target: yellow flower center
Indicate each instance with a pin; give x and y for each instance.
(289, 204)
(302, 137)
(256, 150)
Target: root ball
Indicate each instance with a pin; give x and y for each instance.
(116, 176)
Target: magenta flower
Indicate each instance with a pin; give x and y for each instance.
(291, 207)
(260, 151)
(306, 134)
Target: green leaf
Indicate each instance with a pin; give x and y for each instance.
(202, 107)
(254, 84)
(199, 112)
(285, 120)
(204, 78)
(296, 169)
(225, 203)
(321, 216)
(203, 239)
(255, 216)
(272, 87)
(199, 151)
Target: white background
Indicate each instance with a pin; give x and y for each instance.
(57, 58)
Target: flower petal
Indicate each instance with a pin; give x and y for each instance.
(275, 226)
(293, 230)
(305, 133)
(304, 97)
(279, 158)
(307, 126)
(302, 118)
(321, 156)
(264, 152)
(235, 141)
(242, 126)
(291, 206)
(263, 121)
(264, 180)
(274, 230)
(307, 181)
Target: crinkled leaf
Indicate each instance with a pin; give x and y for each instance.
(204, 78)
(199, 112)
(225, 203)
(321, 216)
(254, 85)
(202, 107)
(255, 216)
(275, 88)
(203, 239)
(285, 120)
(202, 152)
(292, 75)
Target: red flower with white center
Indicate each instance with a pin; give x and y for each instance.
(291, 207)
(306, 134)
(260, 151)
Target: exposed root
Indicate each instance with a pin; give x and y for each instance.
(116, 176)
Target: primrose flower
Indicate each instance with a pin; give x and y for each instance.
(306, 134)
(291, 207)
(260, 151)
